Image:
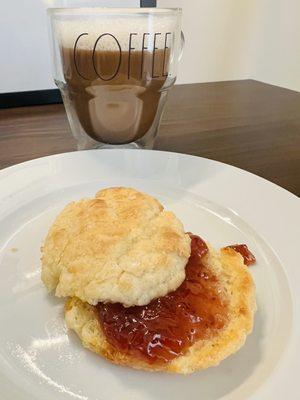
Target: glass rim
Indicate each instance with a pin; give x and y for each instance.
(112, 11)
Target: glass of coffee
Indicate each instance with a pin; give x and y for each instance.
(114, 68)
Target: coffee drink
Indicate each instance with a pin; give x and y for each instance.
(116, 93)
(115, 70)
(118, 109)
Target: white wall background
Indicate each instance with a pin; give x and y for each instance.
(225, 40)
(238, 39)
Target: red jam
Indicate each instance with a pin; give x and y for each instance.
(249, 258)
(166, 327)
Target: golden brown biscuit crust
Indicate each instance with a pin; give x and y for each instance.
(121, 246)
(234, 276)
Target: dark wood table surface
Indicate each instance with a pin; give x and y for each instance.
(248, 124)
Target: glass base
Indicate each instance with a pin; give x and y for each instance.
(91, 144)
(84, 142)
(119, 146)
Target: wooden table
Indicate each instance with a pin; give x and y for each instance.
(248, 124)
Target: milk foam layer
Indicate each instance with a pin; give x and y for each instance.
(68, 28)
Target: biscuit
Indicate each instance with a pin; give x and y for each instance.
(121, 246)
(237, 282)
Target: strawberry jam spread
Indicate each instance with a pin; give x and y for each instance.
(169, 325)
(248, 257)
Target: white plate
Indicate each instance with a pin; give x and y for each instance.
(40, 360)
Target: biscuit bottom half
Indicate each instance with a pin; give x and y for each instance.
(238, 288)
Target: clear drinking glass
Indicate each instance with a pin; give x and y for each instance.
(114, 68)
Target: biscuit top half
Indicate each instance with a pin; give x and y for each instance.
(121, 246)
